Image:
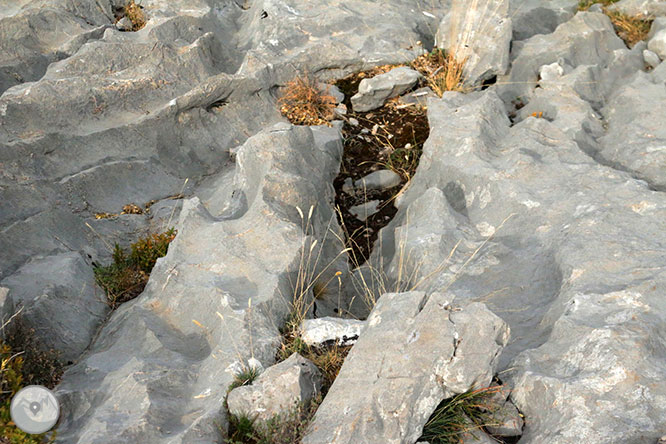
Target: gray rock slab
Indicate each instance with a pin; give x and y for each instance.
(278, 390)
(363, 211)
(60, 301)
(657, 44)
(596, 44)
(414, 352)
(480, 36)
(330, 330)
(209, 307)
(333, 91)
(506, 421)
(373, 92)
(531, 17)
(563, 272)
(651, 59)
(637, 144)
(379, 180)
(658, 24)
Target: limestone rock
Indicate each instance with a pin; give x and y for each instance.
(532, 17)
(379, 180)
(651, 59)
(373, 92)
(60, 301)
(363, 211)
(175, 336)
(327, 330)
(592, 319)
(277, 390)
(415, 352)
(657, 44)
(480, 36)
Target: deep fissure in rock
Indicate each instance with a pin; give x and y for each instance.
(390, 137)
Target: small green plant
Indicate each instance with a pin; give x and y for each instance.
(463, 414)
(126, 277)
(147, 250)
(286, 428)
(245, 377)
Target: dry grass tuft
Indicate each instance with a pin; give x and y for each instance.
(303, 103)
(584, 5)
(631, 29)
(328, 359)
(442, 71)
(135, 14)
(462, 415)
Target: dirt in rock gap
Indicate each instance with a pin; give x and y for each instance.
(390, 137)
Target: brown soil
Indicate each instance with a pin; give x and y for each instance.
(390, 137)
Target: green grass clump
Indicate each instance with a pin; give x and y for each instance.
(286, 428)
(463, 414)
(126, 277)
(246, 377)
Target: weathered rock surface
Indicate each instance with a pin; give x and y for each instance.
(415, 351)
(484, 218)
(277, 390)
(657, 44)
(170, 352)
(373, 92)
(479, 34)
(531, 17)
(634, 144)
(60, 301)
(554, 219)
(329, 330)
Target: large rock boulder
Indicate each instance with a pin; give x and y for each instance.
(637, 144)
(531, 17)
(521, 218)
(94, 118)
(163, 362)
(415, 351)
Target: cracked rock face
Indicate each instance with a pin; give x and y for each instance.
(550, 215)
(576, 277)
(415, 351)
